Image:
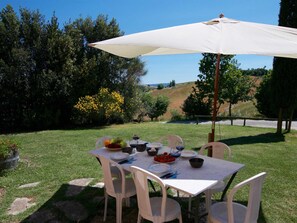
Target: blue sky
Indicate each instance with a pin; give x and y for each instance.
(142, 15)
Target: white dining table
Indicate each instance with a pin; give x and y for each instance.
(189, 180)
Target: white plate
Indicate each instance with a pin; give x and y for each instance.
(159, 169)
(113, 149)
(188, 154)
(119, 156)
(154, 145)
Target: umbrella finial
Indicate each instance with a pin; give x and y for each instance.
(221, 15)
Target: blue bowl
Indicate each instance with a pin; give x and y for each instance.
(176, 154)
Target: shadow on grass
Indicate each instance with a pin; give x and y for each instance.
(245, 140)
(261, 138)
(87, 206)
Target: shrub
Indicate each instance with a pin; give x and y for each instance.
(102, 107)
(160, 86)
(176, 115)
(8, 147)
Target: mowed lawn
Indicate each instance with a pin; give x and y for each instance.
(56, 157)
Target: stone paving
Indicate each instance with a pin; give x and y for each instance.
(73, 210)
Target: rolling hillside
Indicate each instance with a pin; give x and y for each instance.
(180, 92)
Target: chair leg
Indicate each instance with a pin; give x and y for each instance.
(152, 185)
(208, 194)
(105, 206)
(127, 202)
(119, 210)
(190, 206)
(180, 219)
(208, 219)
(139, 218)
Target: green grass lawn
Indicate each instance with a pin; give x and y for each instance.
(55, 157)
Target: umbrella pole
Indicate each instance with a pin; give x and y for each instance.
(215, 99)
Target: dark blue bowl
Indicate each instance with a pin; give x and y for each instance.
(196, 162)
(176, 154)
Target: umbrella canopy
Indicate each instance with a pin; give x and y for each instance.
(218, 36)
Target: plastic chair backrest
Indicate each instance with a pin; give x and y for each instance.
(252, 213)
(108, 180)
(100, 141)
(218, 150)
(172, 140)
(141, 178)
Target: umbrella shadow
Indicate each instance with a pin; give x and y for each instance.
(85, 207)
(62, 208)
(261, 138)
(246, 140)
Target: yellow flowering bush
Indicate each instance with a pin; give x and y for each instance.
(102, 106)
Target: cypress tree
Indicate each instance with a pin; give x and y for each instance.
(284, 77)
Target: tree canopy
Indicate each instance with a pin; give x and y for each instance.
(45, 68)
(284, 78)
(233, 86)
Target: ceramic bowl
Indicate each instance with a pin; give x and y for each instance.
(196, 162)
(127, 150)
(141, 147)
(152, 152)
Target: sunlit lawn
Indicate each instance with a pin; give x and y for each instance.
(56, 157)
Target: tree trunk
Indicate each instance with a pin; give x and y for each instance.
(290, 120)
(279, 121)
(230, 105)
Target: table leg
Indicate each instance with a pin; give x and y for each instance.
(152, 185)
(227, 186)
(197, 214)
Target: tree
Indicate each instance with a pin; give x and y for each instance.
(237, 87)
(284, 78)
(101, 69)
(14, 68)
(258, 72)
(265, 104)
(45, 69)
(194, 105)
(204, 91)
(171, 83)
(160, 86)
(157, 106)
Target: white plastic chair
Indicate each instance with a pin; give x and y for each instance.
(219, 151)
(114, 170)
(171, 140)
(155, 209)
(119, 188)
(230, 212)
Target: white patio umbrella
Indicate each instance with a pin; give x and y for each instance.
(218, 36)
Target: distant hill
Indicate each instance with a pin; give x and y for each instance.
(156, 85)
(178, 94)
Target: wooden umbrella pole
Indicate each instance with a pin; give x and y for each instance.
(215, 99)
